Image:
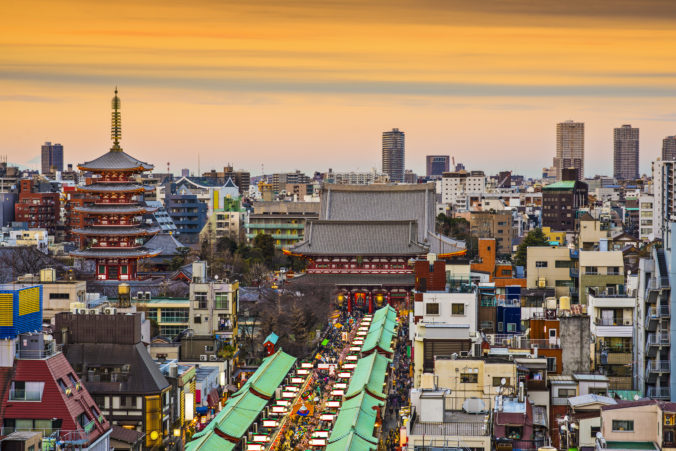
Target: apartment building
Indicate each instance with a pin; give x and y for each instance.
(494, 224)
(552, 267)
(601, 270)
(461, 189)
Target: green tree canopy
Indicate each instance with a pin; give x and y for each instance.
(534, 238)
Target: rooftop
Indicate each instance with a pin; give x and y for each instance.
(456, 423)
(567, 184)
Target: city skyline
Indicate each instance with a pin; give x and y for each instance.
(207, 78)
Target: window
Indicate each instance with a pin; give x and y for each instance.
(174, 315)
(457, 309)
(595, 430)
(26, 391)
(500, 326)
(623, 425)
(83, 419)
(497, 381)
(564, 283)
(432, 308)
(62, 385)
(197, 319)
(613, 270)
(128, 401)
(591, 270)
(469, 378)
(511, 327)
(123, 269)
(598, 391)
(59, 296)
(72, 379)
(540, 264)
(567, 392)
(669, 437)
(201, 300)
(222, 301)
(209, 348)
(551, 364)
(102, 269)
(563, 264)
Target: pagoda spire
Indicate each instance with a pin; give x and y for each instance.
(116, 128)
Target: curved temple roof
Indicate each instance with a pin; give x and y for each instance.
(116, 161)
(115, 209)
(116, 253)
(99, 188)
(117, 231)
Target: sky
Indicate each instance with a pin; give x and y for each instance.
(278, 85)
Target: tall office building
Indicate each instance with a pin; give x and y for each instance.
(393, 154)
(437, 165)
(52, 158)
(669, 148)
(625, 162)
(569, 148)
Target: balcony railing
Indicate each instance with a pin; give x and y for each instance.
(658, 366)
(658, 392)
(546, 343)
(661, 339)
(612, 322)
(72, 438)
(37, 354)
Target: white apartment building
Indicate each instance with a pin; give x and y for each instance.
(646, 231)
(461, 189)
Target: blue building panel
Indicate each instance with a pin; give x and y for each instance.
(20, 309)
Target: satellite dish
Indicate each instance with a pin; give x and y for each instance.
(503, 381)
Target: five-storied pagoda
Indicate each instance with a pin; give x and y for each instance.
(113, 234)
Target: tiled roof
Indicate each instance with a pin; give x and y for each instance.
(338, 280)
(126, 435)
(115, 209)
(144, 377)
(115, 160)
(361, 238)
(165, 243)
(381, 203)
(115, 253)
(101, 188)
(590, 399)
(116, 231)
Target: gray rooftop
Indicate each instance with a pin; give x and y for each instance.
(583, 400)
(455, 423)
(361, 238)
(377, 280)
(115, 160)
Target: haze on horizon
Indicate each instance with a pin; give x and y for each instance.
(312, 85)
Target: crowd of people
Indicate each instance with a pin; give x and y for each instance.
(399, 389)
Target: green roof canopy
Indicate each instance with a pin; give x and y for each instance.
(567, 184)
(243, 407)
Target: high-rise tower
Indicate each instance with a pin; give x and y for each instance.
(113, 234)
(669, 148)
(625, 161)
(52, 158)
(569, 148)
(393, 154)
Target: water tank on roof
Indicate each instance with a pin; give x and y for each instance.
(564, 303)
(474, 405)
(550, 303)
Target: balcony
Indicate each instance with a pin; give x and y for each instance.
(574, 273)
(655, 342)
(658, 393)
(75, 438)
(534, 385)
(38, 354)
(546, 343)
(656, 368)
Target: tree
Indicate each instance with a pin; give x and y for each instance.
(266, 244)
(179, 260)
(534, 238)
(17, 261)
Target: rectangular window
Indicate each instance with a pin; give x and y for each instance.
(222, 301)
(563, 264)
(26, 391)
(102, 269)
(469, 378)
(59, 296)
(511, 327)
(201, 300)
(564, 283)
(432, 308)
(595, 430)
(551, 364)
(540, 264)
(457, 309)
(591, 270)
(123, 269)
(567, 392)
(500, 326)
(613, 270)
(497, 381)
(623, 425)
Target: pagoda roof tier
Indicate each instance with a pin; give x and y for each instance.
(100, 188)
(116, 253)
(115, 160)
(117, 231)
(115, 209)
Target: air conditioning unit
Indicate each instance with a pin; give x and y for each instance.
(81, 311)
(91, 311)
(464, 353)
(147, 295)
(627, 323)
(213, 357)
(203, 358)
(110, 311)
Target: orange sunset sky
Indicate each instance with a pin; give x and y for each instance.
(305, 85)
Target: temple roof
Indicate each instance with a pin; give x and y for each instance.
(115, 209)
(100, 188)
(117, 231)
(115, 253)
(115, 160)
(360, 238)
(349, 280)
(165, 243)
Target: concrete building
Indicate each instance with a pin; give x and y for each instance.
(226, 222)
(669, 148)
(592, 232)
(613, 322)
(188, 214)
(569, 148)
(560, 202)
(462, 189)
(494, 224)
(52, 158)
(356, 178)
(551, 267)
(284, 221)
(37, 209)
(646, 226)
(280, 180)
(437, 164)
(393, 155)
(603, 271)
(643, 424)
(58, 295)
(626, 153)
